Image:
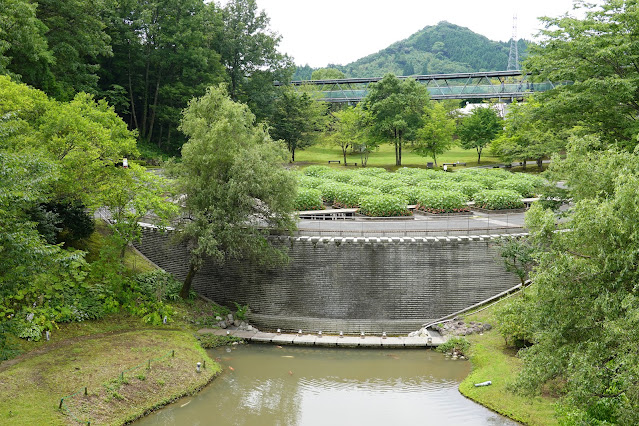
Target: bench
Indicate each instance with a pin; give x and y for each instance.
(335, 161)
(460, 164)
(449, 164)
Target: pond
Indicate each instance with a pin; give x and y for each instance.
(271, 385)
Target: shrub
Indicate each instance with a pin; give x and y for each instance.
(442, 202)
(339, 176)
(308, 199)
(372, 171)
(469, 188)
(361, 180)
(523, 187)
(383, 206)
(459, 345)
(317, 171)
(349, 196)
(437, 185)
(409, 194)
(309, 181)
(329, 190)
(498, 199)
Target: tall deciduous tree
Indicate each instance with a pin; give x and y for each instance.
(297, 118)
(479, 129)
(24, 52)
(586, 309)
(436, 135)
(250, 56)
(598, 54)
(396, 108)
(236, 188)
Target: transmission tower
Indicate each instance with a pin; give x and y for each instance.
(513, 57)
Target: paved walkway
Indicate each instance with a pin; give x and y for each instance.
(349, 341)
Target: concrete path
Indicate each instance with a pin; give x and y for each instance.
(349, 341)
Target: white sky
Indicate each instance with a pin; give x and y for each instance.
(320, 32)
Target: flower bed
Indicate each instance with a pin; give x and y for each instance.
(349, 196)
(383, 206)
(498, 199)
(442, 202)
(308, 199)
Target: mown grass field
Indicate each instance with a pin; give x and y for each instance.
(493, 360)
(384, 156)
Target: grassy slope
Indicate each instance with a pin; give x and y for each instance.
(385, 156)
(31, 389)
(93, 354)
(493, 361)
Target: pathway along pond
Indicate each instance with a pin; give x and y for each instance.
(290, 385)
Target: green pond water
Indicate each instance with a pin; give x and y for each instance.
(290, 385)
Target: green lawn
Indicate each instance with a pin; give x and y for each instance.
(385, 156)
(493, 361)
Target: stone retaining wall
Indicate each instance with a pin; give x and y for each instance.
(349, 284)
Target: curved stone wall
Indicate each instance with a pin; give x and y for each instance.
(349, 284)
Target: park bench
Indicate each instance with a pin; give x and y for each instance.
(335, 161)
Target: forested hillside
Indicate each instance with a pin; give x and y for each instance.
(442, 48)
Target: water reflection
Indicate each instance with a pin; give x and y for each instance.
(312, 386)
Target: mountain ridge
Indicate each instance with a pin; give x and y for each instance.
(435, 49)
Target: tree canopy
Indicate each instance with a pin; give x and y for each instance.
(479, 128)
(396, 107)
(236, 188)
(436, 135)
(598, 55)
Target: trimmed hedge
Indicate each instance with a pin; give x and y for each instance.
(308, 199)
(498, 199)
(317, 171)
(442, 202)
(309, 181)
(383, 206)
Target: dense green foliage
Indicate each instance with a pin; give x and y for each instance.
(498, 199)
(442, 202)
(147, 59)
(582, 313)
(235, 188)
(396, 107)
(598, 54)
(308, 199)
(438, 49)
(479, 128)
(383, 206)
(436, 135)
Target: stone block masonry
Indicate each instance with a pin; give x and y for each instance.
(349, 284)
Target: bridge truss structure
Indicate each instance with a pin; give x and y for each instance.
(502, 86)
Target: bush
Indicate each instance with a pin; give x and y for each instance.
(349, 196)
(459, 345)
(383, 206)
(409, 194)
(308, 199)
(317, 171)
(436, 185)
(362, 180)
(442, 202)
(329, 190)
(309, 181)
(469, 188)
(372, 171)
(498, 199)
(522, 187)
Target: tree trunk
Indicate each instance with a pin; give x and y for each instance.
(399, 163)
(133, 114)
(344, 154)
(186, 286)
(155, 105)
(160, 139)
(478, 156)
(540, 163)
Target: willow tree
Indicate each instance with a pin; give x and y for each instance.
(236, 190)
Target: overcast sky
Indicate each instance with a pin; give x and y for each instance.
(320, 32)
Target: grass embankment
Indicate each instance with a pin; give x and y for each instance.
(493, 360)
(31, 389)
(384, 156)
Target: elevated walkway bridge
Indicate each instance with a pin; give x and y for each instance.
(503, 86)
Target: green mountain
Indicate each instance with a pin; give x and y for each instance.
(438, 49)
